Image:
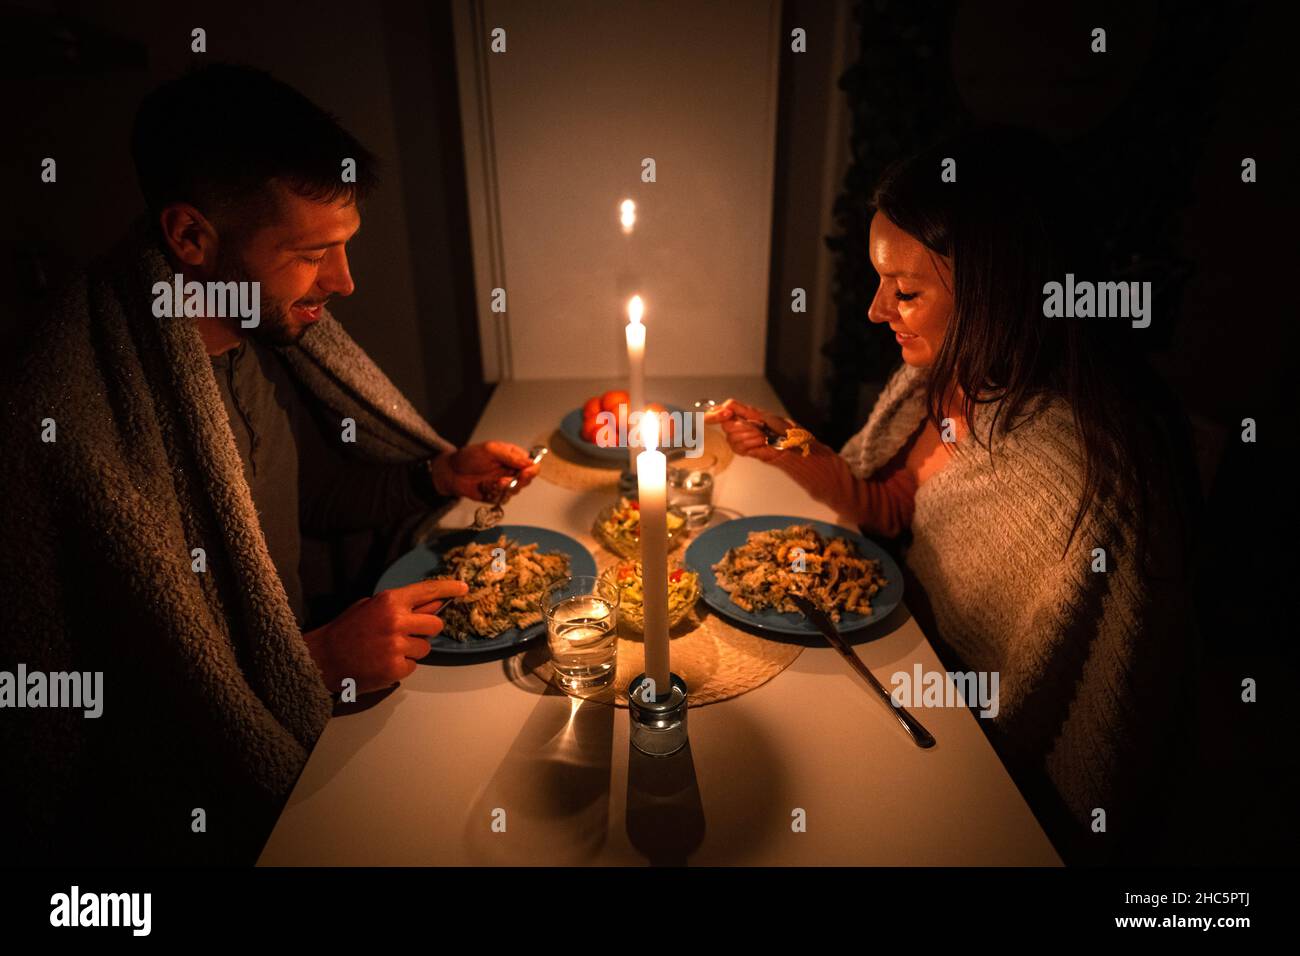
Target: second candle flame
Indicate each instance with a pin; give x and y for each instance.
(650, 431)
(635, 309)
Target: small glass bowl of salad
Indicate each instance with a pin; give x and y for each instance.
(683, 593)
(618, 528)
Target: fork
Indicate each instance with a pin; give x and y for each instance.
(489, 515)
(774, 438)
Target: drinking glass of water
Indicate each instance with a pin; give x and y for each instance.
(581, 621)
(690, 491)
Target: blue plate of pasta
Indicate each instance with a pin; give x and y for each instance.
(748, 565)
(501, 609)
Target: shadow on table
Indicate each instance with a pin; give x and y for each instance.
(485, 657)
(364, 702)
(665, 816)
(548, 802)
(529, 670)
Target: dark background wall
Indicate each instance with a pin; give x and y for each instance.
(386, 71)
(812, 156)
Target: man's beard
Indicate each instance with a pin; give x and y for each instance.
(275, 326)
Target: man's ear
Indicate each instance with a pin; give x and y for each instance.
(190, 236)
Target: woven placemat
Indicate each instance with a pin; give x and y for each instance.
(572, 468)
(716, 660)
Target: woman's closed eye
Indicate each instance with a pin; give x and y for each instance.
(902, 296)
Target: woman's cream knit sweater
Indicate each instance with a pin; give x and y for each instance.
(1090, 662)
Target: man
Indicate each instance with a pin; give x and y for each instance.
(166, 458)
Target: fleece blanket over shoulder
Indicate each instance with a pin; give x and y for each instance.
(120, 464)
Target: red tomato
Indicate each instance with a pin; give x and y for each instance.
(676, 575)
(589, 429)
(591, 408)
(610, 401)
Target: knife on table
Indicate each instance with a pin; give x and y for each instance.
(920, 736)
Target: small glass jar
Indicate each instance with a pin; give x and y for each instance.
(691, 493)
(658, 724)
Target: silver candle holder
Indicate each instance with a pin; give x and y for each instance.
(659, 723)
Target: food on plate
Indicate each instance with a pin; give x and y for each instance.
(602, 431)
(797, 438)
(506, 582)
(619, 527)
(611, 400)
(771, 565)
(683, 592)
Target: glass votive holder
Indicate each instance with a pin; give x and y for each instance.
(691, 493)
(658, 724)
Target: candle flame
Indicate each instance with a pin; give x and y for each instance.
(635, 309)
(650, 430)
(627, 214)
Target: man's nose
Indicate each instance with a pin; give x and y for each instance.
(335, 277)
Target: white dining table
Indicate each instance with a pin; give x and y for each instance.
(484, 763)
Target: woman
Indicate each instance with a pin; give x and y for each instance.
(1019, 459)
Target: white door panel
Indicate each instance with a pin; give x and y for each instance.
(556, 129)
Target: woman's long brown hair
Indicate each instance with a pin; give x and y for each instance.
(1010, 223)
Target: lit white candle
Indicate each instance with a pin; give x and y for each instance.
(636, 369)
(652, 488)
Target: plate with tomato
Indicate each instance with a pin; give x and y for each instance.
(591, 435)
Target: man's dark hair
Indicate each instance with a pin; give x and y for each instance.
(218, 136)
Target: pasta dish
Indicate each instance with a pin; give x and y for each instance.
(771, 565)
(506, 582)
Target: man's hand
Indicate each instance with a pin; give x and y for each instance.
(481, 471)
(373, 641)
